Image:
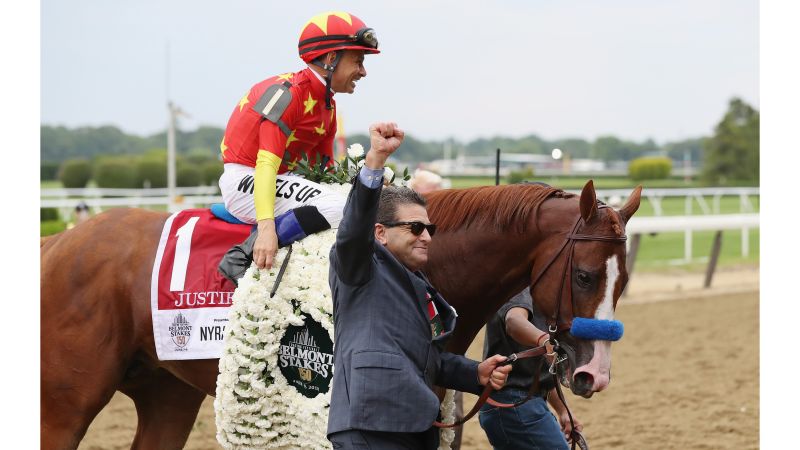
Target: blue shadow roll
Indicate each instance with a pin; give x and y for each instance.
(596, 329)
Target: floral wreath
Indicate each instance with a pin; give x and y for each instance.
(255, 405)
(340, 172)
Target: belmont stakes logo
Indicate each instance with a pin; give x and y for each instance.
(306, 357)
(180, 331)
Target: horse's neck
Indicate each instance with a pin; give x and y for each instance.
(481, 263)
(467, 265)
(478, 270)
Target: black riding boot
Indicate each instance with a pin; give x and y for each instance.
(290, 226)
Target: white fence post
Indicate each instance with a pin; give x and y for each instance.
(687, 235)
(745, 206)
(745, 242)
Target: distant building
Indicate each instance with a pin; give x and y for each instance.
(543, 165)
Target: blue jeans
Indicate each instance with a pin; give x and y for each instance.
(528, 426)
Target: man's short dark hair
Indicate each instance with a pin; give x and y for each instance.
(394, 196)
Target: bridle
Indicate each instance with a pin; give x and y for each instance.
(566, 314)
(560, 320)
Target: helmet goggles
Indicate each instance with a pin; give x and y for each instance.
(365, 37)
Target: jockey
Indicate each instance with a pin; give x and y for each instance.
(280, 119)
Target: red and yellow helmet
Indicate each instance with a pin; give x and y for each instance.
(335, 30)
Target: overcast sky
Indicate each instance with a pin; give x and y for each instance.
(633, 68)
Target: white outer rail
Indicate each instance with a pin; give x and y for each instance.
(97, 203)
(688, 224)
(655, 224)
(114, 192)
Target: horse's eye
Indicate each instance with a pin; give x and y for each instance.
(584, 279)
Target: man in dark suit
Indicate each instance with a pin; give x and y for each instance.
(390, 324)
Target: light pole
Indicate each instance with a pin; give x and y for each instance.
(687, 164)
(174, 112)
(557, 154)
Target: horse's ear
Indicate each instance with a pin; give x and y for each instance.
(632, 204)
(588, 201)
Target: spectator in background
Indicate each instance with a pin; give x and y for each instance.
(425, 181)
(81, 215)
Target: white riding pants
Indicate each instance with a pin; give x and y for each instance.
(237, 183)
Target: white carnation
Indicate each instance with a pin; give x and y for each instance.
(388, 174)
(448, 410)
(355, 151)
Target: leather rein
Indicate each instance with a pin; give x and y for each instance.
(554, 326)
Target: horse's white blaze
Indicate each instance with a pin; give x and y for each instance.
(600, 365)
(605, 311)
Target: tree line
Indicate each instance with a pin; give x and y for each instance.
(729, 156)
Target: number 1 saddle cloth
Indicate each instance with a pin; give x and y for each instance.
(189, 297)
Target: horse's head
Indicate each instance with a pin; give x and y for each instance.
(578, 276)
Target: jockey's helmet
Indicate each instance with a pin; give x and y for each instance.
(335, 30)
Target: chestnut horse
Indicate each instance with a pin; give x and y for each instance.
(96, 324)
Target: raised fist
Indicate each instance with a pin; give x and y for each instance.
(384, 138)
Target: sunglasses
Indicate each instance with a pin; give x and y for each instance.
(416, 228)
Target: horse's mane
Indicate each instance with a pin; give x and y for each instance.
(498, 207)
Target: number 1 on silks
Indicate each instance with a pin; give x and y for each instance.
(182, 249)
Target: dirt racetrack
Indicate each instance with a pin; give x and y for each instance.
(684, 376)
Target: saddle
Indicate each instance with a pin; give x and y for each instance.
(290, 226)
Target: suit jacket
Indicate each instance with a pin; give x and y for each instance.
(385, 360)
